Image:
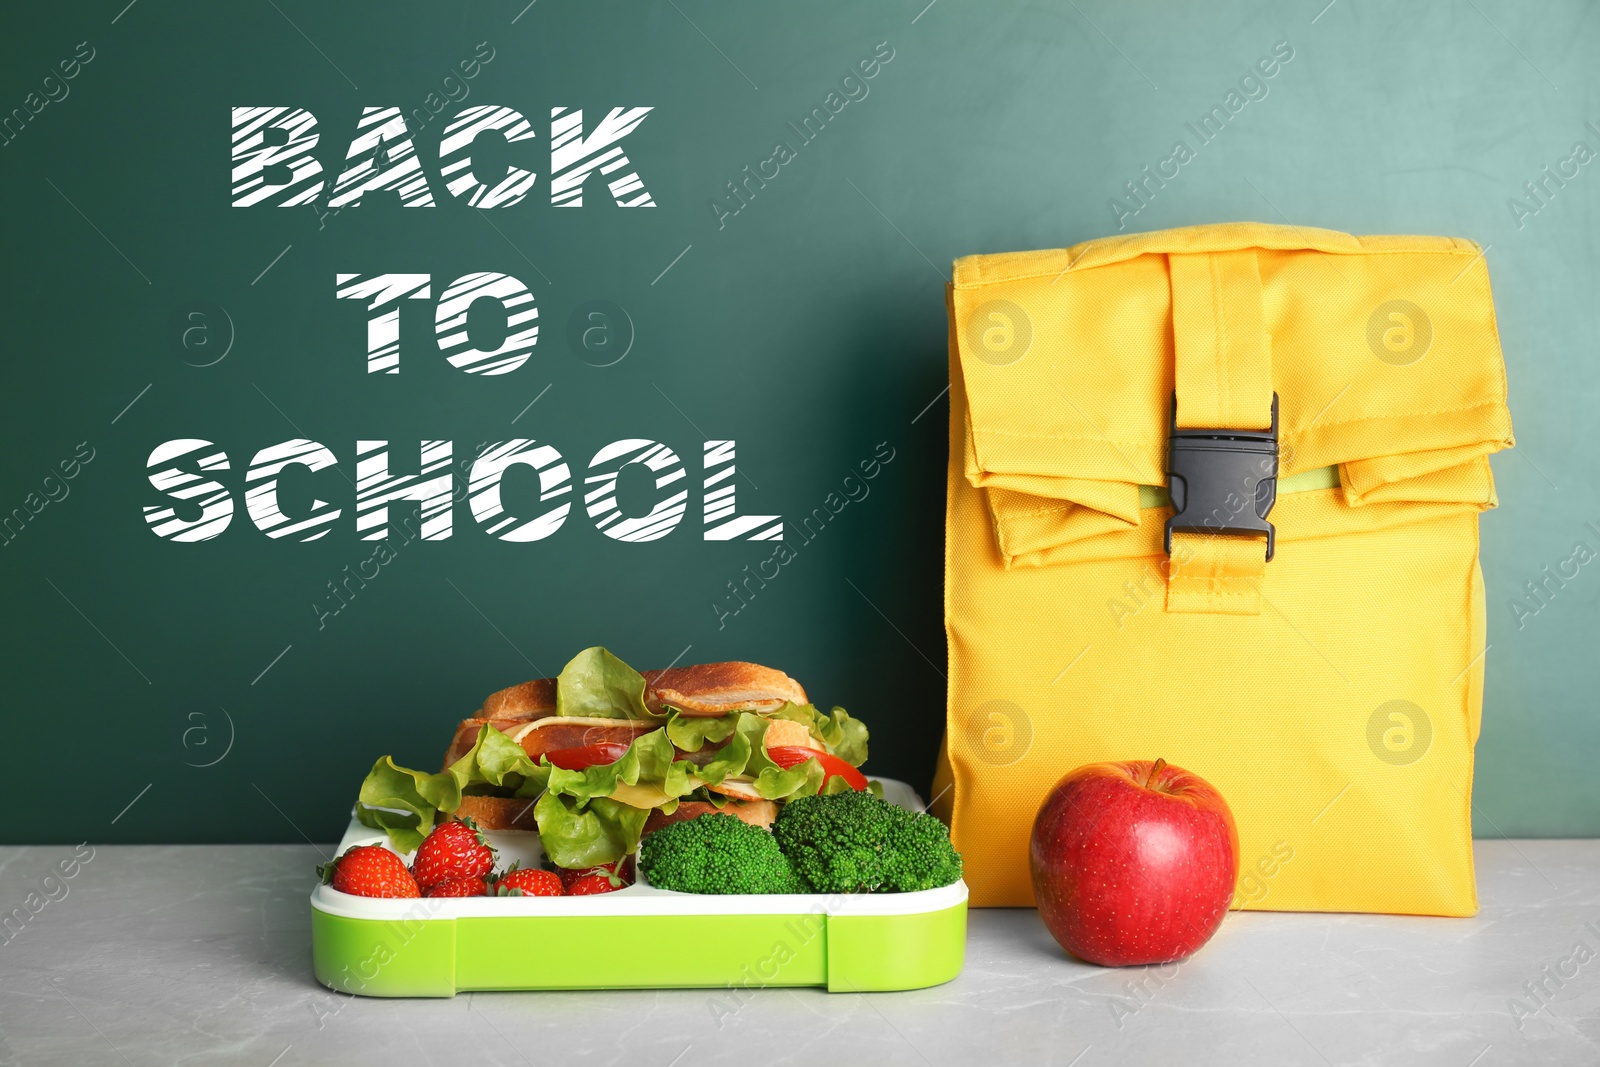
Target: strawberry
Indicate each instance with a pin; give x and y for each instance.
(457, 887)
(590, 884)
(528, 882)
(622, 869)
(369, 871)
(452, 850)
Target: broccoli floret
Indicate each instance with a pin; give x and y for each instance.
(918, 854)
(856, 843)
(716, 853)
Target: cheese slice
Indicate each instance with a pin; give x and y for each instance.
(570, 720)
(641, 796)
(651, 796)
(732, 787)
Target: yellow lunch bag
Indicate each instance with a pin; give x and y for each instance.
(1213, 497)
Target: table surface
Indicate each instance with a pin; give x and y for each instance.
(200, 954)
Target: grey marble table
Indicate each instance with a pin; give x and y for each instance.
(173, 955)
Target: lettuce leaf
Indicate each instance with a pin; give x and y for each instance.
(747, 734)
(649, 759)
(577, 834)
(775, 783)
(690, 733)
(599, 685)
(803, 780)
(405, 803)
(580, 829)
(388, 787)
(840, 734)
(701, 793)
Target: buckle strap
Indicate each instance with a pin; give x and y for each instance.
(1215, 575)
(1222, 481)
(1223, 457)
(1222, 354)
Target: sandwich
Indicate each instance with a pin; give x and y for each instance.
(599, 756)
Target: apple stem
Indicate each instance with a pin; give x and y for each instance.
(1155, 770)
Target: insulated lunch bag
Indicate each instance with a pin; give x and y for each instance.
(1213, 497)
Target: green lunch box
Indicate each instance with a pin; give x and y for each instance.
(638, 937)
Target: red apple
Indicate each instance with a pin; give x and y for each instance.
(1133, 863)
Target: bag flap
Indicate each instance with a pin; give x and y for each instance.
(1384, 355)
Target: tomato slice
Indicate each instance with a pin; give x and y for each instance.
(787, 756)
(576, 759)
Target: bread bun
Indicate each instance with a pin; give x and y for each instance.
(711, 689)
(499, 813)
(701, 689)
(523, 703)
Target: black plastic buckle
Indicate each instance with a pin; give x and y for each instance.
(1222, 481)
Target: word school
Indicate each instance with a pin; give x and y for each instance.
(182, 470)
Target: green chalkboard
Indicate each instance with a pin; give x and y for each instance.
(758, 258)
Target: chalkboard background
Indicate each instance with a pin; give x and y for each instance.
(157, 691)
